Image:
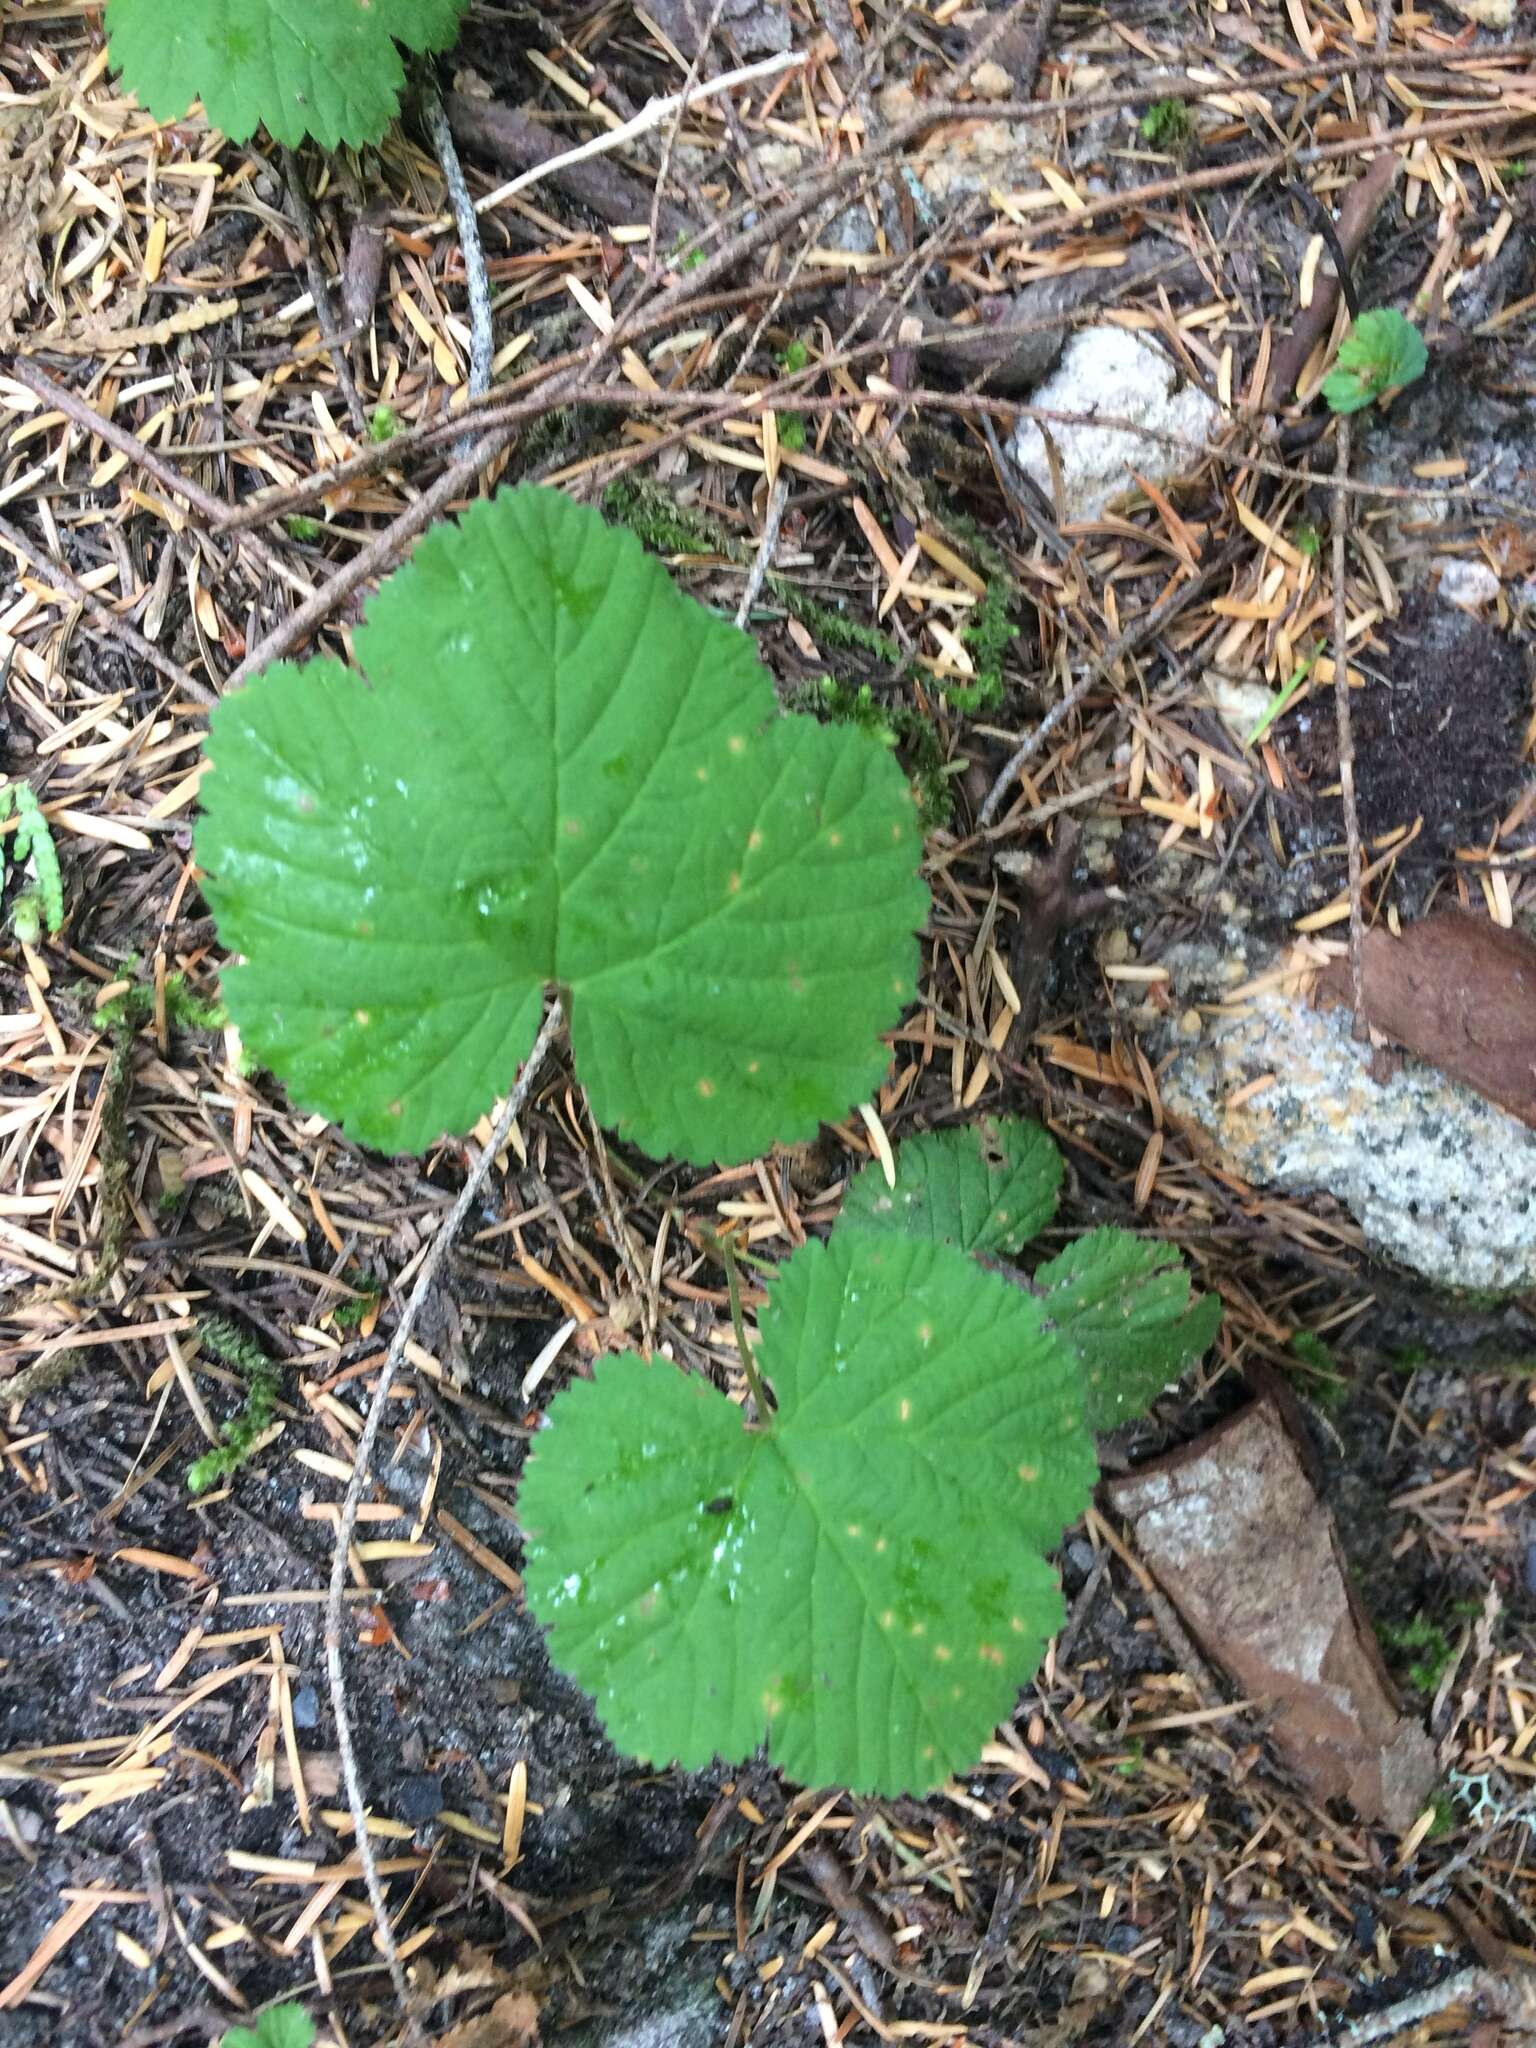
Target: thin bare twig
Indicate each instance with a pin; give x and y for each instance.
(650, 116)
(683, 100)
(1345, 724)
(762, 561)
(346, 1522)
(1136, 633)
(69, 402)
(380, 554)
(481, 342)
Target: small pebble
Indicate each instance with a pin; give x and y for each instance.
(1466, 583)
(418, 1798)
(306, 1707)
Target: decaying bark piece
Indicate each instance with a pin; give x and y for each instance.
(1240, 1543)
(1458, 992)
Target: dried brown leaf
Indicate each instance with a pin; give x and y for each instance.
(1247, 1553)
(512, 2022)
(1458, 992)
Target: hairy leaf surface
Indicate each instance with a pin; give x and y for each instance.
(1382, 351)
(559, 769)
(1123, 1305)
(987, 1187)
(327, 69)
(863, 1582)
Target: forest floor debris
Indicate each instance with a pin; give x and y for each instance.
(799, 317)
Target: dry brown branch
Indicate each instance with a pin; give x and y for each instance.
(380, 555)
(1362, 203)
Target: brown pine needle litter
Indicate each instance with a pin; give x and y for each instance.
(784, 308)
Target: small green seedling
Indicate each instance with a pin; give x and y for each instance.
(791, 426)
(794, 355)
(1285, 696)
(382, 425)
(1168, 125)
(31, 850)
(860, 1571)
(280, 2026)
(561, 770)
(329, 71)
(1382, 352)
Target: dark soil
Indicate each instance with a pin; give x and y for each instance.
(440, 1718)
(1437, 739)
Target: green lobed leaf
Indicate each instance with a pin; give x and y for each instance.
(1123, 1305)
(326, 69)
(864, 1581)
(280, 2026)
(1382, 352)
(560, 769)
(987, 1187)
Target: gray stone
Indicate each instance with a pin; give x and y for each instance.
(674, 2002)
(1111, 372)
(1439, 1179)
(418, 1797)
(756, 27)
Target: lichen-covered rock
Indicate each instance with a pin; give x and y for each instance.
(1438, 1178)
(1112, 373)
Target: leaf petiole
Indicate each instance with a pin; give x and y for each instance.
(738, 1323)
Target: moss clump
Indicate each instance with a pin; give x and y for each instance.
(1446, 1820)
(1330, 1386)
(348, 1314)
(184, 1011)
(663, 524)
(1419, 1649)
(238, 1436)
(1168, 124)
(791, 426)
(987, 635)
(834, 629)
(988, 631)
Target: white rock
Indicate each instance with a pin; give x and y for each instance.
(1438, 1178)
(1487, 13)
(1465, 582)
(1239, 705)
(1111, 371)
(974, 159)
(991, 82)
(779, 160)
